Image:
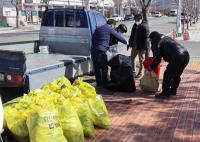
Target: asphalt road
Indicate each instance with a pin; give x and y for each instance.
(162, 24)
(19, 36)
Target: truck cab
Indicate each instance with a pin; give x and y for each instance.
(69, 31)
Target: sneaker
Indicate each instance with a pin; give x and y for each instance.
(162, 96)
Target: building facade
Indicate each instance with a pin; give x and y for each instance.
(30, 11)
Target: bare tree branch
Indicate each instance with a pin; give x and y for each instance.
(148, 4)
(142, 3)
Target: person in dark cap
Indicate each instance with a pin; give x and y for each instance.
(176, 56)
(121, 29)
(100, 45)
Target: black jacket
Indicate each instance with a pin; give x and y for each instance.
(169, 50)
(141, 37)
(131, 39)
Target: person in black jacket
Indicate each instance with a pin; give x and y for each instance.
(139, 43)
(120, 29)
(176, 56)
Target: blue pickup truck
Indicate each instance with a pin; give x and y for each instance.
(67, 34)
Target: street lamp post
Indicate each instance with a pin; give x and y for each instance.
(103, 6)
(37, 11)
(118, 8)
(178, 20)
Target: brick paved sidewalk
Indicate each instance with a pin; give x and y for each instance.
(151, 120)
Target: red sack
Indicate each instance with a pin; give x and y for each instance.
(148, 61)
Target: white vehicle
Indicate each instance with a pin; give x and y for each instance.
(173, 12)
(117, 18)
(158, 14)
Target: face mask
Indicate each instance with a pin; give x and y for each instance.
(137, 23)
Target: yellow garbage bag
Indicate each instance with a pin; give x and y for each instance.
(86, 89)
(46, 87)
(15, 119)
(84, 115)
(71, 125)
(54, 86)
(63, 82)
(44, 126)
(42, 98)
(99, 112)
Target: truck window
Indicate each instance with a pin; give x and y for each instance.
(81, 17)
(59, 18)
(100, 19)
(48, 19)
(69, 19)
(76, 19)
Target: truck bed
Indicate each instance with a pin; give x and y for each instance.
(47, 67)
(39, 61)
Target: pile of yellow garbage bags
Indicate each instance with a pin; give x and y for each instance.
(58, 112)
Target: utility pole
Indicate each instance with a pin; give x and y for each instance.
(103, 7)
(87, 4)
(178, 19)
(37, 10)
(118, 8)
(163, 7)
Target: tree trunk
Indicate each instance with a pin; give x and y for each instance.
(17, 17)
(144, 14)
(190, 20)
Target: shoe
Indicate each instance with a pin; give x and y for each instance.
(162, 96)
(173, 92)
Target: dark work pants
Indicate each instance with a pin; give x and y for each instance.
(172, 74)
(99, 59)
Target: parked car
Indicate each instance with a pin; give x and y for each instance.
(117, 18)
(158, 14)
(173, 12)
(129, 17)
